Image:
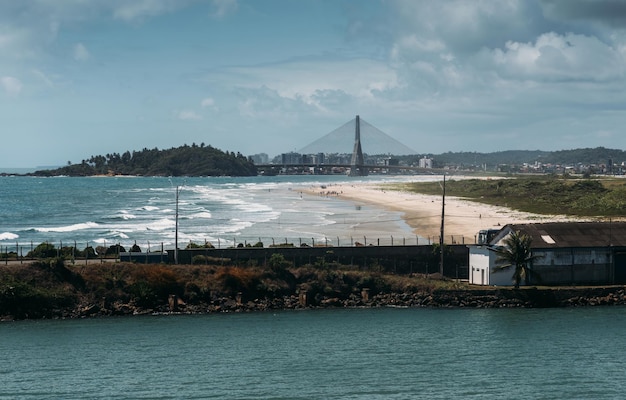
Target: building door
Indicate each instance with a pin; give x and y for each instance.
(619, 264)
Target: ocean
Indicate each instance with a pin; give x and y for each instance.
(103, 211)
(386, 353)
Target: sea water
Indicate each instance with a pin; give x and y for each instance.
(224, 211)
(321, 354)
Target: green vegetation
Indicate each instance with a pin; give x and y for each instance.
(516, 253)
(598, 156)
(191, 160)
(541, 195)
(50, 289)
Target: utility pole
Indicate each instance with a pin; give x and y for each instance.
(443, 212)
(176, 232)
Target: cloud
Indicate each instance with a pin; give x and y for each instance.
(221, 8)
(207, 102)
(188, 115)
(43, 77)
(81, 53)
(560, 57)
(309, 81)
(609, 12)
(459, 26)
(11, 85)
(140, 9)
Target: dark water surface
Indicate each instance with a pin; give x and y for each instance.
(325, 354)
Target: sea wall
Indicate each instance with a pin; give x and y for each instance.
(399, 259)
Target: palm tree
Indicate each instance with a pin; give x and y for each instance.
(516, 253)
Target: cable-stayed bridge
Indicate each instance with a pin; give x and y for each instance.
(351, 134)
(373, 141)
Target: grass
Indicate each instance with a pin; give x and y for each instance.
(548, 195)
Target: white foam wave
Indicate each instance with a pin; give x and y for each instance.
(123, 214)
(69, 228)
(118, 234)
(8, 236)
(233, 226)
(160, 225)
(253, 207)
(149, 208)
(203, 214)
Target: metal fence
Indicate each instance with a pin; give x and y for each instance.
(110, 251)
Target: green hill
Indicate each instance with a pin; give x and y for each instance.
(597, 156)
(186, 160)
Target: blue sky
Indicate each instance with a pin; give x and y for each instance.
(83, 77)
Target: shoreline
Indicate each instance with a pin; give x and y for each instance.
(463, 218)
(468, 298)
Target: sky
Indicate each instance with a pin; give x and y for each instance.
(92, 77)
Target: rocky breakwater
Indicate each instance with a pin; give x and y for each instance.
(489, 298)
(54, 290)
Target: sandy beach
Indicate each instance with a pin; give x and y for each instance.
(463, 218)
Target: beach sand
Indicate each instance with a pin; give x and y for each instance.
(463, 218)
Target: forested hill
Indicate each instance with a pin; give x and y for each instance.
(187, 160)
(597, 155)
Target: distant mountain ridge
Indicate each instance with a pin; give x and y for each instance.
(597, 156)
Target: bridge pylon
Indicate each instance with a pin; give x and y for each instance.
(357, 164)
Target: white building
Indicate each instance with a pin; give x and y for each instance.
(569, 253)
(426, 162)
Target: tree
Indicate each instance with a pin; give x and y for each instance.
(516, 252)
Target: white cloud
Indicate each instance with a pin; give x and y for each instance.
(207, 102)
(221, 8)
(140, 9)
(557, 57)
(81, 53)
(362, 79)
(11, 85)
(188, 115)
(462, 26)
(43, 77)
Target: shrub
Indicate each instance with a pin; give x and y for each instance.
(43, 250)
(231, 280)
(152, 285)
(193, 245)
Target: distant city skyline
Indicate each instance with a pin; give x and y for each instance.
(82, 78)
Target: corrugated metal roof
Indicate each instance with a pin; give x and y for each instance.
(574, 234)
